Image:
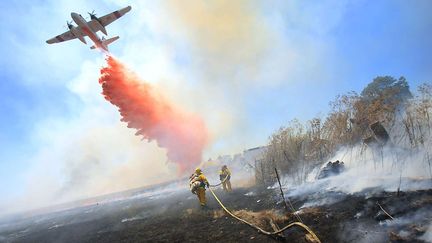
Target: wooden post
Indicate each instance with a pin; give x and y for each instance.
(283, 197)
(280, 187)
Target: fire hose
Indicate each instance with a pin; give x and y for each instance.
(226, 177)
(260, 230)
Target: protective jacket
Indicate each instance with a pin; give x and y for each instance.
(225, 173)
(196, 181)
(203, 181)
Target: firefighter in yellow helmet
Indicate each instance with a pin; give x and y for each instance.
(201, 182)
(225, 177)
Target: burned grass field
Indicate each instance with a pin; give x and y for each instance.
(173, 214)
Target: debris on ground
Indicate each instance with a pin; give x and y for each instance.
(332, 169)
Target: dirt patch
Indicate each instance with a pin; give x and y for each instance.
(261, 219)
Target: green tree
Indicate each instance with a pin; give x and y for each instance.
(381, 100)
(384, 85)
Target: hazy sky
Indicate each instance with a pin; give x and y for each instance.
(246, 67)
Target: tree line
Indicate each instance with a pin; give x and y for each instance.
(298, 147)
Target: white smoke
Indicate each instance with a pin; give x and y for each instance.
(387, 169)
(427, 236)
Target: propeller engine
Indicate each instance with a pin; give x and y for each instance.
(99, 24)
(93, 15)
(75, 32)
(69, 25)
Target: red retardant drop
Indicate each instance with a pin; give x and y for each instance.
(142, 107)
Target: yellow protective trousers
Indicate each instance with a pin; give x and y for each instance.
(227, 185)
(201, 195)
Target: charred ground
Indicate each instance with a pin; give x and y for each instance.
(177, 217)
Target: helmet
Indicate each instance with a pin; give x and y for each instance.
(224, 167)
(198, 171)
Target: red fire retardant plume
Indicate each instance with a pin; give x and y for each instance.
(182, 134)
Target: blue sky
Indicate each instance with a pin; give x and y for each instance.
(263, 65)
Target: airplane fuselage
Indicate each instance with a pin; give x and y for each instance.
(81, 22)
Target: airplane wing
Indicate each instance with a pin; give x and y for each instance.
(109, 18)
(65, 36)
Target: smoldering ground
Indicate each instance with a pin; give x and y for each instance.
(168, 212)
(390, 176)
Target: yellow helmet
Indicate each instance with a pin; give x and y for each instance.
(198, 171)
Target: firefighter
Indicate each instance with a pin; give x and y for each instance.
(225, 176)
(201, 182)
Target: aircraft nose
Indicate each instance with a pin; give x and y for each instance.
(74, 15)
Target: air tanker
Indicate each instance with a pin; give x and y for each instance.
(90, 28)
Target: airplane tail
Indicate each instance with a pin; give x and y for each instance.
(106, 42)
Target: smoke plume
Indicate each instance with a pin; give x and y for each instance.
(144, 108)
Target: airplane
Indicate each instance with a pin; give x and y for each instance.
(90, 29)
